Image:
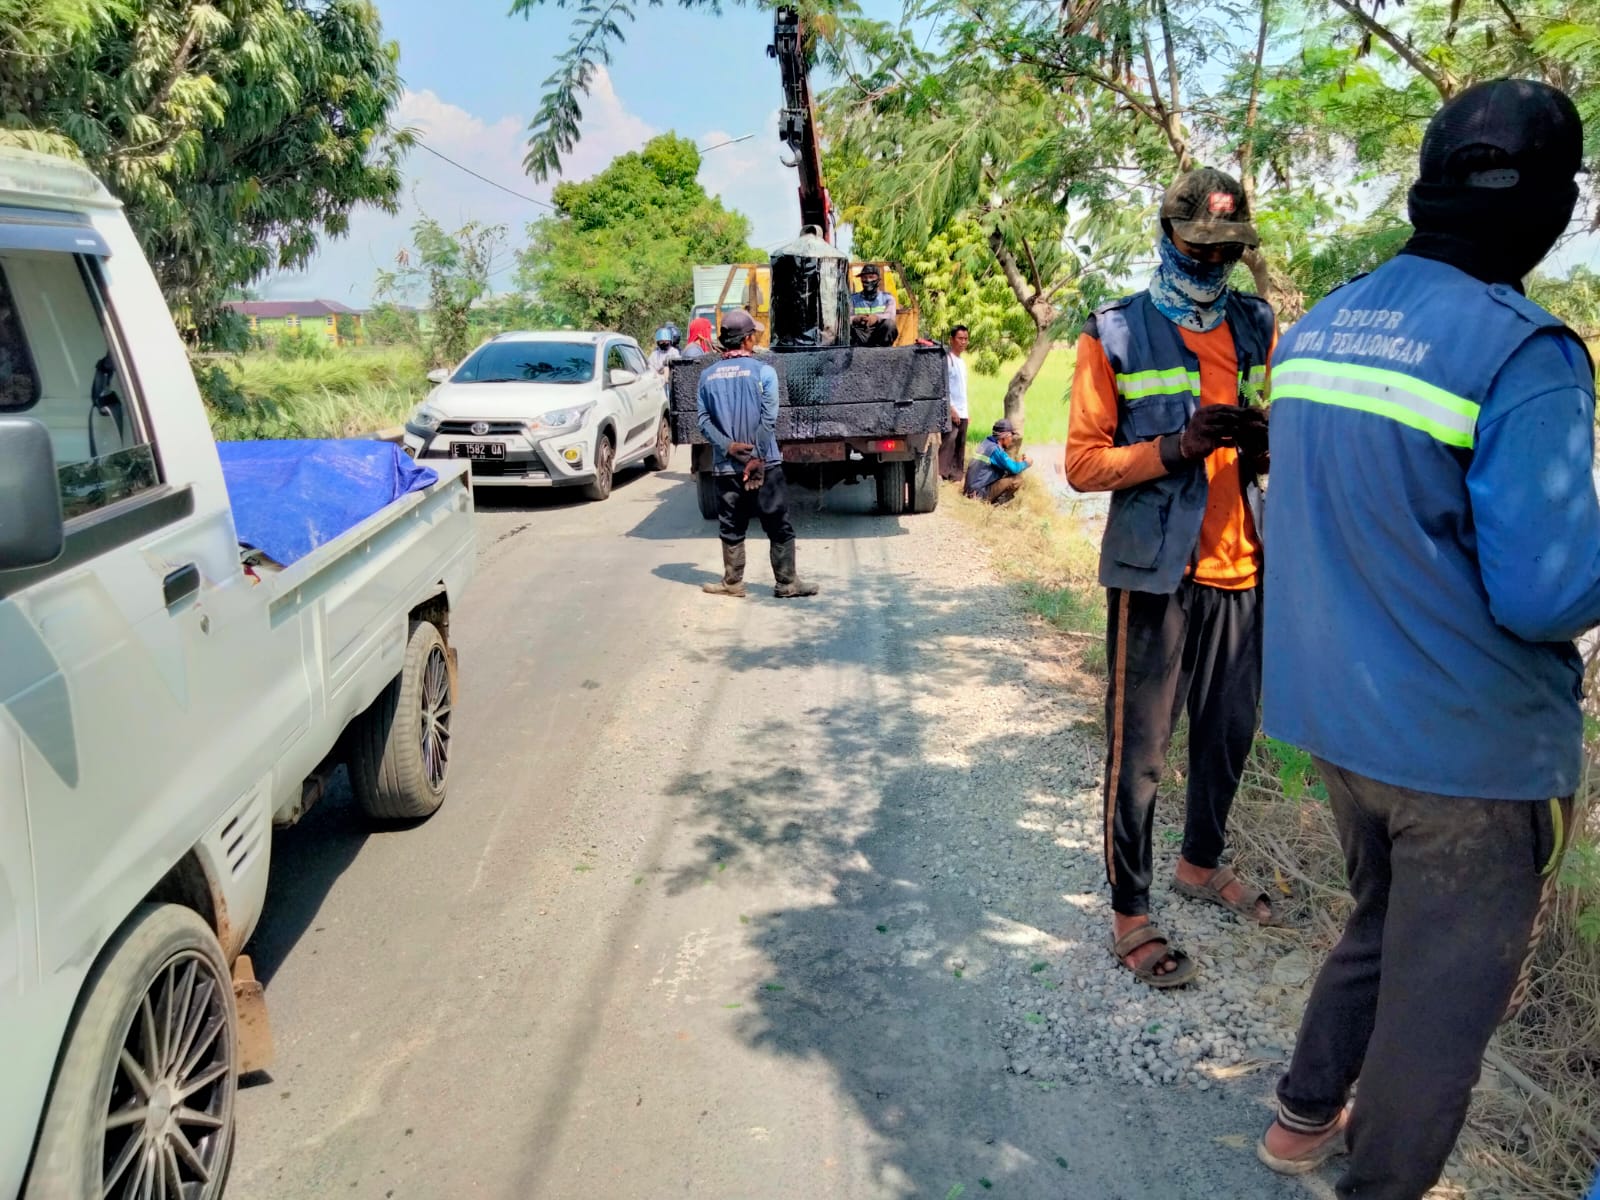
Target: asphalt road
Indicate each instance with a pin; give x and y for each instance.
(634, 954)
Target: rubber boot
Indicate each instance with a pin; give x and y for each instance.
(788, 585)
(732, 583)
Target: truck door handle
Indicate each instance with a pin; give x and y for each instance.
(181, 584)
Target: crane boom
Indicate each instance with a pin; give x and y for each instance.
(797, 122)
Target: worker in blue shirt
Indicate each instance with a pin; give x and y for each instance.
(1433, 550)
(993, 475)
(738, 409)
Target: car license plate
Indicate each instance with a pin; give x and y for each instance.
(478, 451)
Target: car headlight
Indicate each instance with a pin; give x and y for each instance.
(562, 420)
(426, 419)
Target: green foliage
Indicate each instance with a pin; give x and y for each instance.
(387, 324)
(454, 269)
(955, 282)
(619, 251)
(238, 134)
(331, 393)
(1580, 878)
(1575, 299)
(1294, 770)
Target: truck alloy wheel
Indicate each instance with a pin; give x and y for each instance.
(143, 1102)
(399, 749)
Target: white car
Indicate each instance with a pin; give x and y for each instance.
(558, 409)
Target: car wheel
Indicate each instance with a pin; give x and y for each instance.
(605, 467)
(661, 457)
(143, 1100)
(399, 749)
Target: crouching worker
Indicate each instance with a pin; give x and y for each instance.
(993, 475)
(738, 408)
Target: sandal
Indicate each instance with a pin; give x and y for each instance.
(1212, 891)
(1143, 935)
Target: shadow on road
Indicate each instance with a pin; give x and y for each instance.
(493, 498)
(869, 980)
(307, 860)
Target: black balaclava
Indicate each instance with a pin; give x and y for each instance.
(1497, 181)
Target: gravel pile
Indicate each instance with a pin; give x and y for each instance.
(1023, 839)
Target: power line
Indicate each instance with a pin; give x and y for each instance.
(484, 178)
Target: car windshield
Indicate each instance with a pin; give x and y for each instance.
(528, 362)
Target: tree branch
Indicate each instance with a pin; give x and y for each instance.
(180, 60)
(1441, 80)
(1247, 149)
(1008, 266)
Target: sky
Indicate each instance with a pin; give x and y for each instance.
(473, 80)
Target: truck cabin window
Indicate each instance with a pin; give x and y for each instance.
(59, 366)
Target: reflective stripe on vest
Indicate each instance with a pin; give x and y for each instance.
(1442, 415)
(859, 304)
(1139, 384)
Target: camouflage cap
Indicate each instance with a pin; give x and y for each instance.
(1208, 207)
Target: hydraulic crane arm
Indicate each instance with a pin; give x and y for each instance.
(797, 123)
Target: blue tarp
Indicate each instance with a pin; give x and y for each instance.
(289, 498)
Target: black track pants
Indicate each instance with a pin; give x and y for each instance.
(1199, 650)
(769, 504)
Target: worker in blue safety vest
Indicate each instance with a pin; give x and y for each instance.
(873, 313)
(1433, 552)
(737, 403)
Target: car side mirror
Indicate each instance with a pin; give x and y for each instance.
(32, 531)
(438, 375)
(622, 377)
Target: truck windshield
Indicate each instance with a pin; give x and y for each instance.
(528, 362)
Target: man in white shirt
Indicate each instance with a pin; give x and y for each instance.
(953, 450)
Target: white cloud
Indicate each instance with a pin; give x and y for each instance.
(751, 178)
(345, 267)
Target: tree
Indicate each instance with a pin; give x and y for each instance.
(618, 252)
(237, 132)
(454, 269)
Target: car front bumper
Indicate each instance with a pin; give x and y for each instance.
(561, 460)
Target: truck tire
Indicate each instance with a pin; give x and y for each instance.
(925, 481)
(94, 1125)
(891, 480)
(399, 749)
(706, 493)
(661, 456)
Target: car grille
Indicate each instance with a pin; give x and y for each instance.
(496, 428)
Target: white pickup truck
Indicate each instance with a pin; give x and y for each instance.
(163, 702)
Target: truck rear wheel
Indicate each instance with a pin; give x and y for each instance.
(142, 1103)
(891, 480)
(706, 493)
(925, 481)
(399, 749)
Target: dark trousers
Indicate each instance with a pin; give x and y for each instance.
(953, 451)
(769, 504)
(1446, 893)
(1198, 649)
(879, 333)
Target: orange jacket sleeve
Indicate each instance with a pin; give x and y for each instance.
(1095, 463)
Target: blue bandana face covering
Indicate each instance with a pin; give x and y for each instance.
(1190, 294)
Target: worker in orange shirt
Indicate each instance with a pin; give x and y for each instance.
(1164, 417)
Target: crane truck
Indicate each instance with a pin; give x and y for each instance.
(845, 413)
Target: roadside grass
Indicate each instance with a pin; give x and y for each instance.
(330, 394)
(1046, 556)
(1046, 404)
(1533, 1132)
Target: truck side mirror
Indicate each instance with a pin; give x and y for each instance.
(32, 531)
(438, 375)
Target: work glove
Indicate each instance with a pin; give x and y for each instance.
(1211, 428)
(755, 474)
